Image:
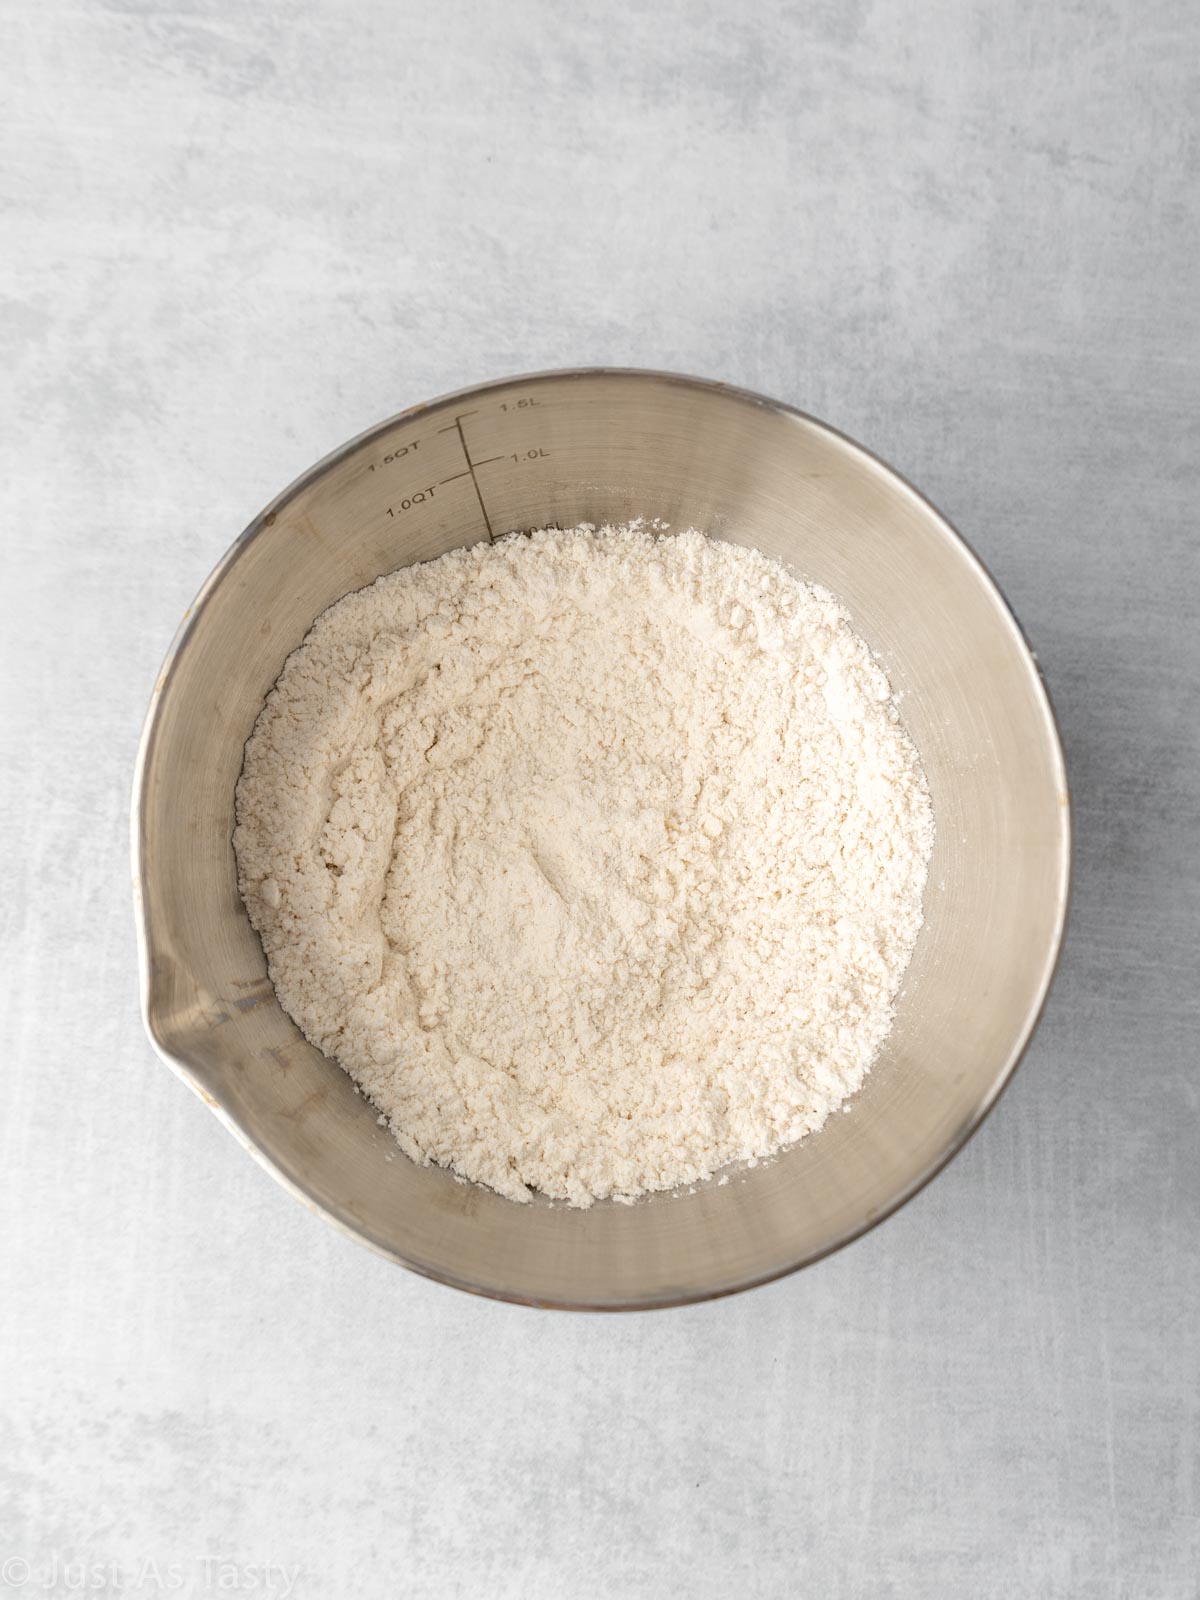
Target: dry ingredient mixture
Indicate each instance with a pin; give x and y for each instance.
(595, 857)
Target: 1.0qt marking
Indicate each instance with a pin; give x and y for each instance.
(417, 499)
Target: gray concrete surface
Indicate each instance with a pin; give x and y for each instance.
(236, 234)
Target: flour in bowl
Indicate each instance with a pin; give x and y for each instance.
(594, 857)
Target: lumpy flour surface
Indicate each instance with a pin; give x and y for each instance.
(594, 857)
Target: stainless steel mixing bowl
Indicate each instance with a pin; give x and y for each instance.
(606, 446)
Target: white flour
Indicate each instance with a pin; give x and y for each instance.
(595, 858)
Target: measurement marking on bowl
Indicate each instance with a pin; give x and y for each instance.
(396, 455)
(533, 453)
(456, 428)
(428, 491)
(417, 499)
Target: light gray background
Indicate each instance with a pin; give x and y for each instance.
(236, 234)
